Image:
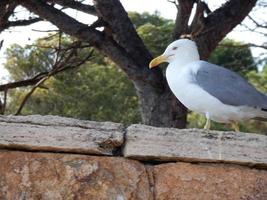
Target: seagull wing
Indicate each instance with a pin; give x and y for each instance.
(228, 87)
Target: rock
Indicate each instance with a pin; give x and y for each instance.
(35, 175)
(186, 181)
(55, 175)
(46, 176)
(59, 134)
(52, 120)
(193, 145)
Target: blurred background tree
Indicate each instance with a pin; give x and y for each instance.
(234, 56)
(98, 90)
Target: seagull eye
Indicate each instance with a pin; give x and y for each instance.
(174, 48)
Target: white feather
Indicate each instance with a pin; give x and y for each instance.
(184, 63)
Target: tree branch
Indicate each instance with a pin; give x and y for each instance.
(184, 9)
(29, 94)
(220, 22)
(198, 22)
(99, 23)
(258, 25)
(59, 66)
(254, 29)
(128, 51)
(77, 5)
(23, 22)
(263, 46)
(174, 2)
(7, 8)
(123, 30)
(23, 83)
(1, 44)
(64, 22)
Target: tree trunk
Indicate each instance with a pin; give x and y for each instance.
(161, 108)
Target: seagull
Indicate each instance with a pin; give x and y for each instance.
(217, 93)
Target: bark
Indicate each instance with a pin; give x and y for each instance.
(120, 42)
(220, 22)
(156, 100)
(184, 8)
(6, 10)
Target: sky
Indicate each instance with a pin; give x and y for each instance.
(26, 35)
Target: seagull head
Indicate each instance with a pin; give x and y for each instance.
(182, 50)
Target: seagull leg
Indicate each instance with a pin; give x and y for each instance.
(235, 126)
(207, 125)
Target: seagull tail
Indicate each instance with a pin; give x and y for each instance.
(262, 115)
(261, 119)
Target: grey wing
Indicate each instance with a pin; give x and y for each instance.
(228, 87)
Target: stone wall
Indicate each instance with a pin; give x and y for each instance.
(50, 157)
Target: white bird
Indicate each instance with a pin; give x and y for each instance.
(216, 92)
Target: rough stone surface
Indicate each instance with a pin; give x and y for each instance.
(184, 181)
(50, 176)
(46, 176)
(193, 145)
(52, 133)
(64, 176)
(50, 120)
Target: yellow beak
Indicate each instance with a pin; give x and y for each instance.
(156, 61)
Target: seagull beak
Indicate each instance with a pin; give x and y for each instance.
(156, 61)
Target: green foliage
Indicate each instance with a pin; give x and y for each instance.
(94, 92)
(234, 56)
(25, 62)
(146, 18)
(258, 79)
(154, 30)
